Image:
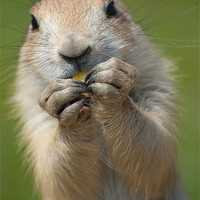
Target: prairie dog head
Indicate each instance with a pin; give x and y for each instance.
(68, 36)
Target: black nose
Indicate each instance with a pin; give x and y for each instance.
(75, 55)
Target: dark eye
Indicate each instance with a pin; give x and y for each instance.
(34, 23)
(111, 9)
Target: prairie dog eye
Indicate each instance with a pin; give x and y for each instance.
(111, 9)
(34, 23)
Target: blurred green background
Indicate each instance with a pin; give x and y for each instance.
(172, 25)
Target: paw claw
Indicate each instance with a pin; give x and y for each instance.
(63, 99)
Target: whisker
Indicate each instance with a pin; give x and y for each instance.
(30, 63)
(115, 21)
(153, 11)
(25, 33)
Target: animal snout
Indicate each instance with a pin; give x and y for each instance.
(74, 47)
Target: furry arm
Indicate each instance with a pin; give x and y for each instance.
(139, 138)
(141, 147)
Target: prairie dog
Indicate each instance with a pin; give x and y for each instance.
(112, 136)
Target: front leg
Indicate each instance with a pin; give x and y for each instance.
(68, 166)
(139, 143)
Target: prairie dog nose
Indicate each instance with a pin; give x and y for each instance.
(74, 46)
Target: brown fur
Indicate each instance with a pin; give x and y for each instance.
(127, 145)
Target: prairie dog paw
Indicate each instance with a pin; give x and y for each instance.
(111, 81)
(66, 100)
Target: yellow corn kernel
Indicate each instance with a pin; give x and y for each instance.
(80, 76)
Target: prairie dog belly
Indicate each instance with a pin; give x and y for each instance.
(114, 187)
